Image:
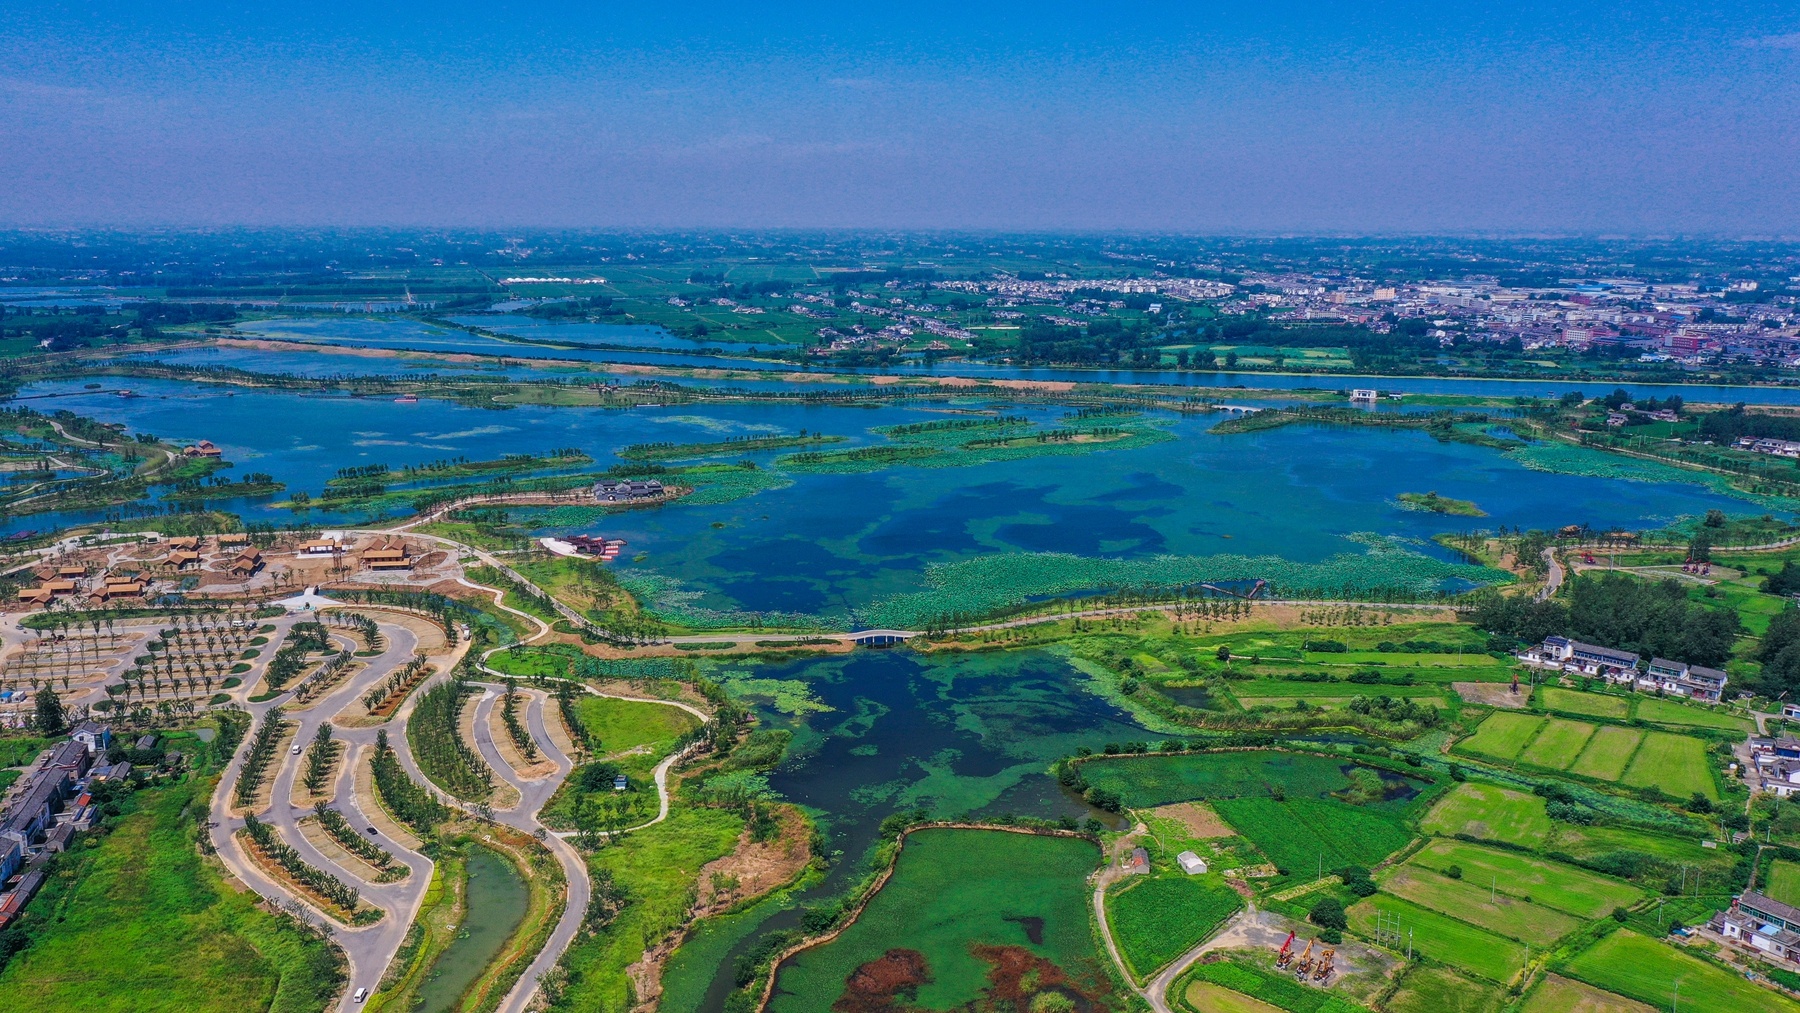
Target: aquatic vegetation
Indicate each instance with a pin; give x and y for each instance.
(1431, 502)
(984, 584)
(1569, 459)
(956, 443)
(733, 445)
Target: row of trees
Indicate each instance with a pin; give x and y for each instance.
(410, 803)
(318, 881)
(353, 842)
(509, 712)
(262, 753)
(441, 753)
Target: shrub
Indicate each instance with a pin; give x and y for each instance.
(1328, 913)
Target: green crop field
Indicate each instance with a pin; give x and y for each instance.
(1485, 810)
(1148, 781)
(1564, 995)
(1441, 937)
(1481, 906)
(1672, 712)
(615, 726)
(1502, 735)
(1287, 689)
(1246, 987)
(141, 922)
(1550, 884)
(952, 891)
(1588, 842)
(1462, 662)
(1441, 990)
(1157, 920)
(1675, 763)
(1303, 836)
(1558, 744)
(1608, 752)
(1783, 882)
(1593, 704)
(1648, 971)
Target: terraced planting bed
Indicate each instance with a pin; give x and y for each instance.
(968, 916)
(1490, 811)
(1502, 736)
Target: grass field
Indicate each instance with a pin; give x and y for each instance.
(1783, 882)
(1481, 906)
(1607, 753)
(1550, 884)
(1485, 810)
(1206, 997)
(1675, 763)
(1145, 782)
(1565, 995)
(1558, 743)
(1288, 690)
(1646, 970)
(1441, 937)
(1503, 736)
(618, 725)
(1596, 705)
(1157, 920)
(1303, 836)
(953, 890)
(1587, 842)
(142, 924)
(1441, 990)
(1672, 712)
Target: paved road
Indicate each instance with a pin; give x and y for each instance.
(1554, 568)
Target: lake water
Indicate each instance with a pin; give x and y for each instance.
(950, 734)
(838, 546)
(497, 900)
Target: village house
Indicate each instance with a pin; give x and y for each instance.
(181, 559)
(247, 562)
(204, 448)
(321, 547)
(390, 556)
(1578, 658)
(187, 543)
(1678, 678)
(233, 539)
(1762, 924)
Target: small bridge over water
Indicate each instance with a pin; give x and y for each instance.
(879, 638)
(1243, 409)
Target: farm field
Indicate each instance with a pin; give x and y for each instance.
(615, 726)
(1289, 689)
(1646, 970)
(952, 893)
(1490, 811)
(1558, 743)
(1231, 983)
(1499, 913)
(1503, 735)
(1783, 882)
(1565, 995)
(1304, 836)
(143, 923)
(1675, 763)
(1441, 990)
(1608, 753)
(1206, 997)
(1671, 712)
(1158, 919)
(1149, 781)
(1597, 705)
(1549, 884)
(1464, 663)
(1586, 842)
(1441, 937)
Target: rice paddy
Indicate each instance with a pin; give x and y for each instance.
(1503, 735)
(1546, 883)
(1568, 701)
(1490, 811)
(1783, 882)
(1306, 837)
(1565, 995)
(1608, 753)
(1441, 937)
(1482, 906)
(1675, 763)
(1648, 971)
(1558, 743)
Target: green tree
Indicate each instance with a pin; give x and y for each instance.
(50, 719)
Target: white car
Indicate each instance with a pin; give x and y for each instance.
(296, 750)
(361, 994)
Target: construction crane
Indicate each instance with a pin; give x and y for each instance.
(1323, 971)
(1285, 956)
(1304, 966)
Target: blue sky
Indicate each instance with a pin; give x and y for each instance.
(1638, 118)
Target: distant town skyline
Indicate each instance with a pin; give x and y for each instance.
(1398, 117)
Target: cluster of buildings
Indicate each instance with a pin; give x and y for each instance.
(48, 806)
(1672, 678)
(54, 582)
(635, 490)
(385, 553)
